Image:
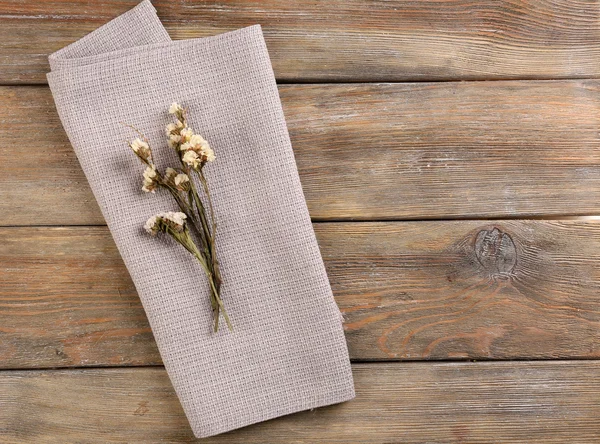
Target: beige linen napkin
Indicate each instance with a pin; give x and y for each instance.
(287, 352)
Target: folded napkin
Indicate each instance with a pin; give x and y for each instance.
(287, 352)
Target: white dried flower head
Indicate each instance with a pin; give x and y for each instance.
(200, 146)
(173, 131)
(150, 179)
(170, 128)
(174, 128)
(150, 173)
(191, 158)
(137, 144)
(182, 182)
(175, 108)
(170, 173)
(197, 139)
(174, 140)
(186, 134)
(141, 149)
(176, 180)
(163, 221)
(151, 225)
(208, 155)
(149, 187)
(176, 217)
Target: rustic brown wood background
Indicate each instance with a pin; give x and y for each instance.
(450, 156)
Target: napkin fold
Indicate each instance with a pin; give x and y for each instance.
(287, 352)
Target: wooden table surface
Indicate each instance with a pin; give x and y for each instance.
(450, 156)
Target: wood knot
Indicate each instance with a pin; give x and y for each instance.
(496, 252)
(142, 408)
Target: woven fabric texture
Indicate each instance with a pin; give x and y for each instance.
(287, 352)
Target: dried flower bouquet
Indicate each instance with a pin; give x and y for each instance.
(194, 153)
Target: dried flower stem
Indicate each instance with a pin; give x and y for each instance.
(213, 222)
(209, 233)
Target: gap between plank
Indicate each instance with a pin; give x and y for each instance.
(582, 218)
(358, 81)
(353, 361)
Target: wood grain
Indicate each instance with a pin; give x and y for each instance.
(409, 291)
(365, 151)
(341, 40)
(549, 402)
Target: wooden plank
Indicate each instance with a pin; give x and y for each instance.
(549, 402)
(409, 291)
(375, 151)
(357, 40)
(464, 290)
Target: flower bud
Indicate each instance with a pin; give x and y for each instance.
(150, 179)
(142, 150)
(182, 182)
